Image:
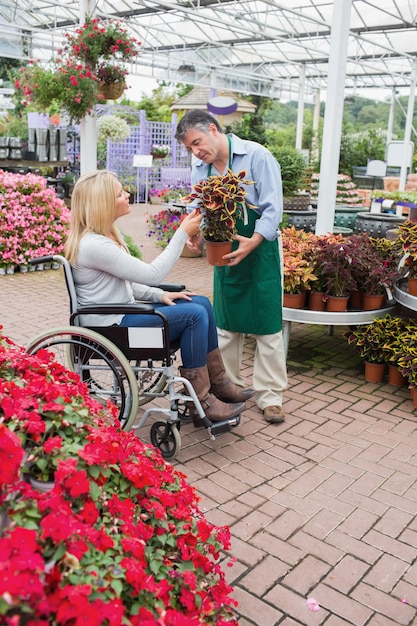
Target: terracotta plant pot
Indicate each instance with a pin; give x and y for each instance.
(215, 251)
(412, 286)
(337, 304)
(356, 299)
(316, 301)
(374, 372)
(294, 300)
(395, 377)
(373, 301)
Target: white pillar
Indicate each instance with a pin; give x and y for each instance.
(408, 126)
(332, 129)
(300, 110)
(88, 125)
(391, 116)
(316, 128)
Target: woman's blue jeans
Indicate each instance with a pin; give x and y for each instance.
(190, 322)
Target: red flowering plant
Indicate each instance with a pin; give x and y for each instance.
(65, 83)
(93, 55)
(119, 539)
(97, 40)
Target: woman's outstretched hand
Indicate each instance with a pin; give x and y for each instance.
(191, 223)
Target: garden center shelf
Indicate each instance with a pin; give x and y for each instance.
(402, 296)
(330, 319)
(19, 164)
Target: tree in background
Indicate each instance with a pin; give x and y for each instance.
(252, 126)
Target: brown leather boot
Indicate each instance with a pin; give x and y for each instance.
(215, 409)
(221, 386)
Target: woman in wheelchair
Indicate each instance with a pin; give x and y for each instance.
(104, 272)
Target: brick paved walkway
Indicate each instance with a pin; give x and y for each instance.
(321, 506)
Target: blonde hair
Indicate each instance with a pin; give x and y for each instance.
(93, 210)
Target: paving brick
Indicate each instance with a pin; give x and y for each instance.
(256, 610)
(346, 607)
(274, 546)
(394, 500)
(386, 573)
(286, 524)
(321, 549)
(306, 575)
(352, 546)
(245, 552)
(323, 524)
(250, 525)
(264, 576)
(390, 546)
(393, 522)
(358, 523)
(384, 604)
(346, 574)
(295, 606)
(406, 593)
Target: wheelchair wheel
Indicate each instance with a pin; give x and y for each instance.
(98, 362)
(149, 383)
(166, 438)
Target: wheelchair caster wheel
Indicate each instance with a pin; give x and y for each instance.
(166, 438)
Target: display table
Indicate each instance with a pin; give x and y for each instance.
(323, 318)
(402, 296)
(8, 164)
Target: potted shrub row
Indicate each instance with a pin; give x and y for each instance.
(389, 341)
(338, 268)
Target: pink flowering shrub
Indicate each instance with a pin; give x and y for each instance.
(119, 540)
(346, 191)
(33, 220)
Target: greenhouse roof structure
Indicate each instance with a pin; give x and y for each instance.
(248, 46)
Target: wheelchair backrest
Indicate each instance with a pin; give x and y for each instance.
(151, 343)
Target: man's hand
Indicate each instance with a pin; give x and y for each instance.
(170, 296)
(246, 245)
(194, 243)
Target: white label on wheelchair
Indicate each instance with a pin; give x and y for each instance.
(145, 337)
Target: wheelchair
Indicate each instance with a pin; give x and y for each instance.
(129, 366)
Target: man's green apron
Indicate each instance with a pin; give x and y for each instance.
(248, 296)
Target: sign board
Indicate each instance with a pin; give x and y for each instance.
(6, 91)
(142, 160)
(5, 103)
(395, 153)
(376, 168)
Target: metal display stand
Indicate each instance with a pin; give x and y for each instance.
(330, 319)
(143, 161)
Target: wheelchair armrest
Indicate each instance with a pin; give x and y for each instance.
(105, 309)
(113, 309)
(172, 287)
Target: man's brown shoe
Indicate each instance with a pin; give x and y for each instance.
(274, 414)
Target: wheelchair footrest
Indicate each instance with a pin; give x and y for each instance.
(217, 428)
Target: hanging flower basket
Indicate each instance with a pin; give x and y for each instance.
(112, 91)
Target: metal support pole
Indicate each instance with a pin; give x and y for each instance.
(332, 129)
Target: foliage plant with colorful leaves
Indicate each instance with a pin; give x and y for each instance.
(33, 220)
(119, 539)
(221, 199)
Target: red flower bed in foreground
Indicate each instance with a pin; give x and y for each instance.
(119, 539)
